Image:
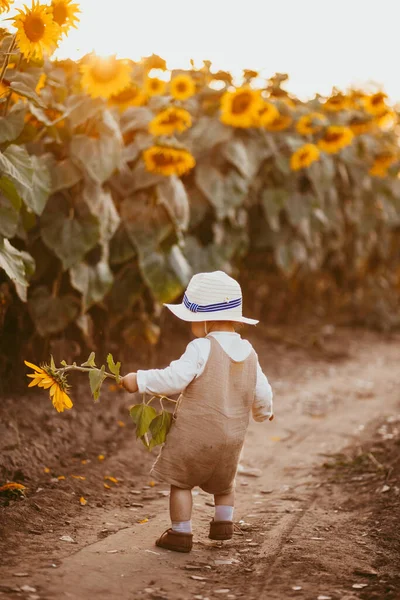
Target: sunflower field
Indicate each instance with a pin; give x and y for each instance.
(120, 179)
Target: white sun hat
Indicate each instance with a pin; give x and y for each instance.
(211, 297)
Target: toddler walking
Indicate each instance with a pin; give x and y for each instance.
(221, 383)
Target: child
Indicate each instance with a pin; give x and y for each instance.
(221, 382)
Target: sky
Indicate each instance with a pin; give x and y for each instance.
(319, 43)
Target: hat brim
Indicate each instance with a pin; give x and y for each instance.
(183, 313)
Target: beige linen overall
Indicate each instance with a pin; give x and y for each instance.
(204, 443)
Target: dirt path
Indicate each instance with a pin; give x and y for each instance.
(297, 540)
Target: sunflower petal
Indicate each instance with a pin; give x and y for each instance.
(53, 389)
(34, 367)
(34, 382)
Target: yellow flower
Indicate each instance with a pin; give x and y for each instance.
(386, 119)
(82, 501)
(382, 163)
(361, 125)
(45, 377)
(304, 157)
(170, 120)
(5, 5)
(155, 86)
(65, 14)
(166, 160)
(337, 102)
(267, 114)
(375, 104)
(41, 83)
(280, 123)
(309, 124)
(182, 87)
(241, 108)
(154, 62)
(130, 96)
(335, 138)
(105, 77)
(12, 486)
(37, 33)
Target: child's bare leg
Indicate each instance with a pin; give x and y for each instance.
(224, 507)
(180, 508)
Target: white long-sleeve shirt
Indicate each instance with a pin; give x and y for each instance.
(175, 378)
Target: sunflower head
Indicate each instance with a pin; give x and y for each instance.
(166, 160)
(154, 62)
(311, 123)
(48, 378)
(5, 5)
(130, 96)
(375, 104)
(182, 87)
(105, 77)
(65, 14)
(267, 113)
(37, 33)
(241, 108)
(335, 138)
(382, 163)
(280, 123)
(155, 86)
(169, 121)
(304, 157)
(337, 102)
(361, 125)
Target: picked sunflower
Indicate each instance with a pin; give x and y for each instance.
(154, 86)
(337, 103)
(280, 123)
(47, 378)
(166, 160)
(5, 5)
(105, 77)
(375, 104)
(309, 124)
(335, 138)
(37, 33)
(267, 114)
(130, 96)
(182, 87)
(170, 120)
(304, 157)
(65, 14)
(382, 163)
(241, 108)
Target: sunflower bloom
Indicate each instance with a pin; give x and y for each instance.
(5, 5)
(375, 104)
(105, 77)
(166, 160)
(241, 108)
(304, 157)
(130, 96)
(182, 87)
(267, 114)
(65, 14)
(337, 103)
(335, 138)
(280, 123)
(45, 377)
(309, 124)
(155, 86)
(386, 119)
(37, 33)
(170, 120)
(360, 125)
(382, 163)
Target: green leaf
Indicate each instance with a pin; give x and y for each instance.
(64, 174)
(121, 247)
(101, 204)
(159, 428)
(69, 234)
(41, 186)
(11, 260)
(64, 363)
(126, 290)
(50, 314)
(93, 281)
(142, 415)
(273, 201)
(23, 89)
(167, 275)
(207, 133)
(12, 125)
(246, 156)
(90, 361)
(52, 363)
(135, 117)
(96, 378)
(10, 192)
(8, 218)
(172, 194)
(114, 367)
(80, 108)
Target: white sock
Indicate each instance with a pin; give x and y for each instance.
(181, 526)
(223, 513)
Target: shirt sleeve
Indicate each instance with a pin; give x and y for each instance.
(175, 378)
(262, 408)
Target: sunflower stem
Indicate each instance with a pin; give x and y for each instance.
(82, 369)
(7, 58)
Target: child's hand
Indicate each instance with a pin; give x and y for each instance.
(129, 383)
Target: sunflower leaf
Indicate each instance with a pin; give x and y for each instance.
(142, 415)
(64, 363)
(52, 363)
(93, 281)
(96, 378)
(11, 261)
(12, 125)
(90, 361)
(114, 367)
(51, 314)
(159, 428)
(9, 216)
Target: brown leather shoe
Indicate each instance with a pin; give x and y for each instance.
(176, 541)
(221, 530)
